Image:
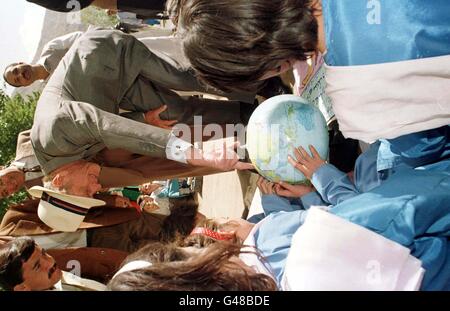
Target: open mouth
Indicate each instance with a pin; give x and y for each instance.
(27, 74)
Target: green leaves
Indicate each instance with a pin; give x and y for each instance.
(16, 115)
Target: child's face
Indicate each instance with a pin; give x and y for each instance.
(239, 226)
(148, 205)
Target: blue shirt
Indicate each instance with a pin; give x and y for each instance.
(332, 186)
(411, 208)
(362, 32)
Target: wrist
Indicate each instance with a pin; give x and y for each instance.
(194, 156)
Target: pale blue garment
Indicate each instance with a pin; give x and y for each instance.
(380, 161)
(407, 29)
(412, 208)
(415, 149)
(333, 186)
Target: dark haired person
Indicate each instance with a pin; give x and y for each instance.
(24, 266)
(168, 267)
(151, 8)
(235, 44)
(22, 74)
(398, 230)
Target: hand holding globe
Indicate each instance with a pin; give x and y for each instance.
(277, 128)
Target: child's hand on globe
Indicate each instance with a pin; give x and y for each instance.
(305, 163)
(292, 191)
(265, 187)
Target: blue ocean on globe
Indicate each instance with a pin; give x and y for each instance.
(278, 126)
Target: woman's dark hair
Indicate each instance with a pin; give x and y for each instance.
(211, 269)
(157, 252)
(231, 44)
(182, 219)
(12, 256)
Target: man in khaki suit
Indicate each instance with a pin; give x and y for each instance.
(77, 114)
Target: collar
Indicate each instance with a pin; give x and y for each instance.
(133, 265)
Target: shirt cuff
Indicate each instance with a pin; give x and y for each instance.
(176, 149)
(324, 175)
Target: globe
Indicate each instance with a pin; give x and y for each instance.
(278, 126)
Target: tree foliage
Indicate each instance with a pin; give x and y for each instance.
(97, 17)
(16, 115)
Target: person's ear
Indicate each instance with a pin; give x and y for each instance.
(58, 180)
(21, 288)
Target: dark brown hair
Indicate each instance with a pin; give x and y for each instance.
(12, 256)
(231, 44)
(182, 219)
(210, 270)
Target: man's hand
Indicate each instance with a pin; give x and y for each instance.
(152, 118)
(305, 163)
(292, 191)
(221, 157)
(122, 202)
(265, 186)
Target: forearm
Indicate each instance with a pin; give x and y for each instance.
(333, 185)
(310, 199)
(135, 116)
(117, 132)
(113, 177)
(274, 203)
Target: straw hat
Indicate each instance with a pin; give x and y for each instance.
(60, 211)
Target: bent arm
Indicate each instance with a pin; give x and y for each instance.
(333, 185)
(116, 131)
